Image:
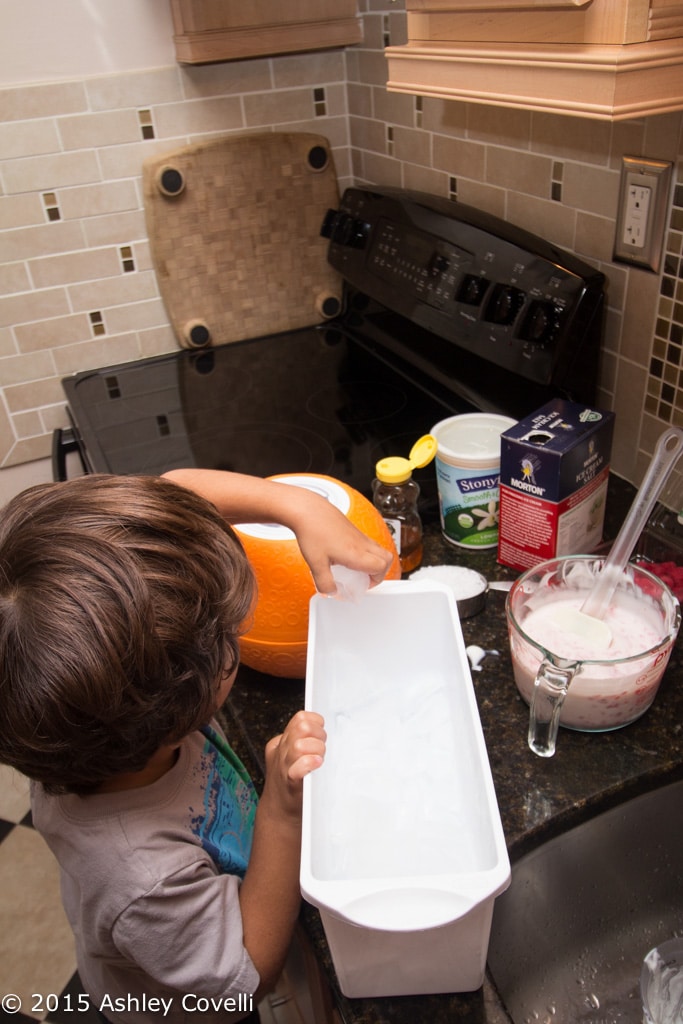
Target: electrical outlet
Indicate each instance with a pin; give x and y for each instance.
(643, 209)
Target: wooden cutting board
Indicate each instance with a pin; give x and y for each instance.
(234, 229)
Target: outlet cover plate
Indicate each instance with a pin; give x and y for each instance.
(644, 195)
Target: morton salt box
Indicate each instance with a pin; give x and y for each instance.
(554, 466)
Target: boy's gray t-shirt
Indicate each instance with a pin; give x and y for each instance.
(150, 880)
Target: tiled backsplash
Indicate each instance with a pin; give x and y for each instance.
(76, 285)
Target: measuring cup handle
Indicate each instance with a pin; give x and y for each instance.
(550, 689)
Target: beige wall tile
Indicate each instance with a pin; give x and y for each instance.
(663, 136)
(371, 68)
(16, 479)
(360, 99)
(114, 229)
(412, 146)
(393, 108)
(373, 31)
(143, 256)
(483, 196)
(55, 170)
(7, 440)
(277, 108)
(291, 72)
(13, 277)
(29, 242)
(157, 340)
(35, 305)
(135, 316)
(628, 139)
(113, 291)
(222, 114)
(571, 138)
(33, 394)
(366, 134)
(519, 172)
(24, 102)
(7, 343)
(76, 266)
(553, 221)
(594, 235)
(27, 425)
(109, 128)
(54, 417)
(630, 387)
(28, 138)
(134, 89)
(398, 31)
(95, 200)
(444, 117)
(593, 189)
(89, 355)
(19, 368)
(459, 157)
(50, 334)
(501, 127)
(617, 283)
(223, 79)
(424, 179)
(21, 211)
(28, 450)
(381, 170)
(336, 131)
(639, 316)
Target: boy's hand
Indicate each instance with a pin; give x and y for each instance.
(326, 538)
(296, 752)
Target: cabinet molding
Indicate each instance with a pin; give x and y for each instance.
(600, 82)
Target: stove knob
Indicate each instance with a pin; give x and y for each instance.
(504, 304)
(472, 289)
(350, 232)
(539, 323)
(329, 222)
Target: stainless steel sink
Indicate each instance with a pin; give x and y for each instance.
(569, 935)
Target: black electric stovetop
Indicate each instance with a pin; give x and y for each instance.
(309, 401)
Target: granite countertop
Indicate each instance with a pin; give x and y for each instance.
(538, 797)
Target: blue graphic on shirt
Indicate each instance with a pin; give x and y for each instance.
(226, 826)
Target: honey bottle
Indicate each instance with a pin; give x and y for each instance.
(395, 494)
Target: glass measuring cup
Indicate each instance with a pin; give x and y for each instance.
(563, 680)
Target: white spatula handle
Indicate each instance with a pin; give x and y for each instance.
(667, 452)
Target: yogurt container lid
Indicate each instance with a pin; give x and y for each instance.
(472, 437)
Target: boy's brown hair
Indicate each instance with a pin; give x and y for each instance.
(121, 604)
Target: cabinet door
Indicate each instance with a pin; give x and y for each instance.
(207, 31)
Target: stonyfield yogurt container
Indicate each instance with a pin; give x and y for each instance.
(468, 475)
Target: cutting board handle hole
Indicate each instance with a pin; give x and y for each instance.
(318, 158)
(170, 181)
(196, 334)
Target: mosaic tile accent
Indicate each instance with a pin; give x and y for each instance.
(664, 397)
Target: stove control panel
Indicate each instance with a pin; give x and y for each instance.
(470, 278)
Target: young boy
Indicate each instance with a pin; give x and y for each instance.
(121, 604)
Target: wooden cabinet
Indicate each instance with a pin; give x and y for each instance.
(209, 31)
(605, 59)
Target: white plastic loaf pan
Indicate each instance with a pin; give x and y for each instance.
(403, 850)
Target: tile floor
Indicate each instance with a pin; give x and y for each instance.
(37, 958)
